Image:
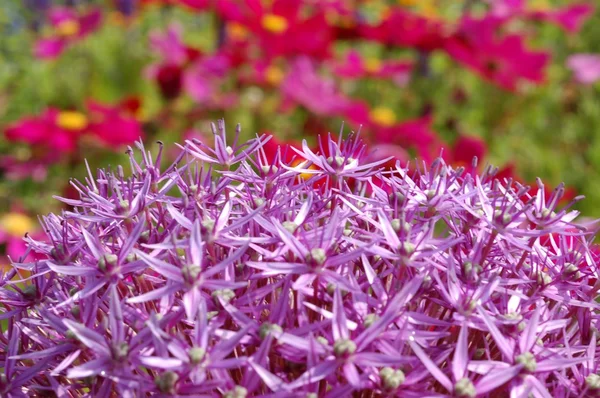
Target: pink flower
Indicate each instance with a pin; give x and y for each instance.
(571, 18)
(304, 86)
(382, 127)
(14, 168)
(585, 67)
(175, 59)
(54, 129)
(282, 27)
(504, 61)
(465, 149)
(196, 5)
(203, 76)
(13, 227)
(262, 72)
(184, 68)
(406, 29)
(114, 125)
(67, 27)
(169, 45)
(356, 67)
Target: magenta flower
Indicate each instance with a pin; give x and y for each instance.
(56, 130)
(285, 28)
(13, 227)
(113, 125)
(175, 58)
(233, 273)
(304, 86)
(67, 27)
(183, 68)
(571, 17)
(504, 60)
(406, 29)
(585, 67)
(356, 67)
(382, 126)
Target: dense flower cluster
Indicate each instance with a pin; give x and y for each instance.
(413, 75)
(236, 273)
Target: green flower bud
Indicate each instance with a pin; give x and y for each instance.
(370, 320)
(430, 193)
(513, 316)
(344, 347)
(465, 388)
(317, 255)
(546, 212)
(237, 392)
(266, 328)
(75, 311)
(502, 217)
(30, 292)
(528, 361)
(592, 381)
(543, 278)
(120, 351)
(208, 224)
(225, 294)
(290, 226)
(196, 355)
(391, 379)
(407, 248)
(107, 259)
(191, 272)
(166, 382)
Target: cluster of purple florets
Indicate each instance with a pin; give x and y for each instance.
(234, 274)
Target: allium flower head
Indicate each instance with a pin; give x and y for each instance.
(232, 274)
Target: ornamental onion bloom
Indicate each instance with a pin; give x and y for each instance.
(230, 273)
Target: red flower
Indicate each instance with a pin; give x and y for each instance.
(271, 147)
(54, 129)
(304, 86)
(67, 27)
(114, 125)
(356, 67)
(283, 28)
(196, 5)
(406, 29)
(465, 149)
(571, 18)
(382, 128)
(176, 59)
(502, 60)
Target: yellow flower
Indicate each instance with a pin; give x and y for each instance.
(539, 5)
(71, 120)
(236, 31)
(68, 28)
(372, 65)
(16, 224)
(304, 176)
(383, 116)
(274, 75)
(426, 8)
(274, 23)
(408, 3)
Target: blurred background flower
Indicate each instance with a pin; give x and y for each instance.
(513, 83)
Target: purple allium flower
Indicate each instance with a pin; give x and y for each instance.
(227, 275)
